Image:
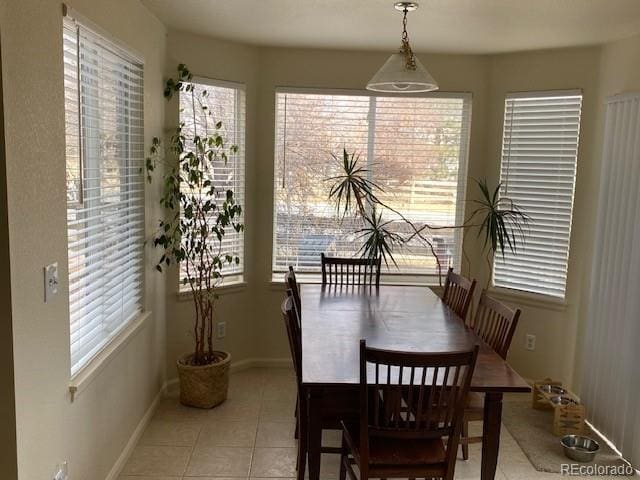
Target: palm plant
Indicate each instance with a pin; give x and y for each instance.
(502, 222)
(497, 218)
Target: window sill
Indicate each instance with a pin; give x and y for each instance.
(529, 299)
(82, 379)
(184, 295)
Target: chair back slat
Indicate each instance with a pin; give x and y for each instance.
(495, 323)
(458, 293)
(291, 284)
(294, 334)
(350, 271)
(413, 395)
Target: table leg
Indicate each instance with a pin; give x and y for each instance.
(491, 434)
(314, 432)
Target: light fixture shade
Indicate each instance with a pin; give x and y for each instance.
(394, 76)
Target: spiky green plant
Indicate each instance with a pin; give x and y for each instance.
(502, 223)
(352, 185)
(498, 218)
(379, 240)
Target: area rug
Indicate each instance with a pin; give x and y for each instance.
(532, 430)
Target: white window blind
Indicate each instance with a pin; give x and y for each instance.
(539, 154)
(224, 102)
(103, 86)
(415, 148)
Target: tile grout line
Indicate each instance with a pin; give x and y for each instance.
(193, 448)
(255, 438)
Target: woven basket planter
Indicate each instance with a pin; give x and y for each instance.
(203, 386)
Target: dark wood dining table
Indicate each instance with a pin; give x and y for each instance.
(408, 318)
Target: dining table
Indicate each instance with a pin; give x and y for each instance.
(406, 318)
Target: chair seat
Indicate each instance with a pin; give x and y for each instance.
(397, 452)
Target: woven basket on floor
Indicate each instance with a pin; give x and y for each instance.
(203, 386)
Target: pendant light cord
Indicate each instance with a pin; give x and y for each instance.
(406, 48)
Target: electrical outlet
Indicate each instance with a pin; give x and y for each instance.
(222, 329)
(50, 281)
(61, 472)
(530, 342)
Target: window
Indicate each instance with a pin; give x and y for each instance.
(103, 87)
(539, 153)
(225, 102)
(414, 147)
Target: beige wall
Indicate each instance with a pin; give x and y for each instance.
(92, 431)
(8, 456)
(489, 78)
(554, 326)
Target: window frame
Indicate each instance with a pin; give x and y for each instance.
(118, 335)
(552, 301)
(391, 277)
(237, 279)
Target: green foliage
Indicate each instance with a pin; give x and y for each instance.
(352, 186)
(501, 221)
(378, 239)
(198, 216)
(497, 218)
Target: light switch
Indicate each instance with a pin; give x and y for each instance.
(50, 281)
(61, 472)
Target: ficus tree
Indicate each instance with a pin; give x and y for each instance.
(198, 215)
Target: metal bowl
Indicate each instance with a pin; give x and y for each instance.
(579, 448)
(562, 400)
(556, 389)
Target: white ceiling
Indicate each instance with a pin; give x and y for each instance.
(452, 26)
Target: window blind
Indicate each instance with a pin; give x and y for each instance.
(414, 148)
(225, 102)
(103, 87)
(539, 154)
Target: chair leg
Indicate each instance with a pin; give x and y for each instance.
(302, 435)
(344, 457)
(296, 434)
(301, 461)
(465, 436)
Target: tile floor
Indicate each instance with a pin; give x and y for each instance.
(250, 436)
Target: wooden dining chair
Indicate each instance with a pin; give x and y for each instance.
(418, 439)
(495, 323)
(458, 293)
(333, 412)
(350, 271)
(291, 284)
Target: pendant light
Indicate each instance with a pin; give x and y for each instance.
(403, 72)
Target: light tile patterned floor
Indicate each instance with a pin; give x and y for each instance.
(251, 436)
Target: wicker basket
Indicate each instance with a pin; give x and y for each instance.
(203, 386)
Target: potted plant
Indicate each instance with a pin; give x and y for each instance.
(192, 233)
(498, 219)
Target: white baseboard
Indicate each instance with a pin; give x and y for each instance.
(261, 362)
(172, 384)
(135, 436)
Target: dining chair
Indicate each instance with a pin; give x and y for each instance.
(416, 440)
(495, 323)
(291, 284)
(458, 293)
(350, 271)
(333, 412)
